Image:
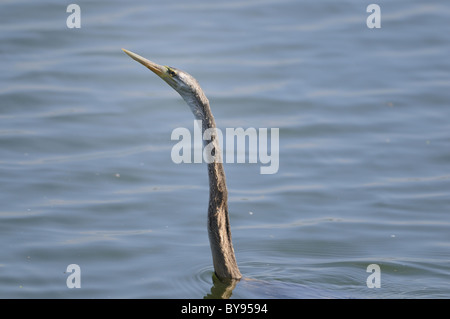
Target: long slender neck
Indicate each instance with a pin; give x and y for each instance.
(219, 231)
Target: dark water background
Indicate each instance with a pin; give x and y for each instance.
(86, 175)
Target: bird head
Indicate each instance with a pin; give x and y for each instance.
(182, 82)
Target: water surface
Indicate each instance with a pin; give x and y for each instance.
(86, 175)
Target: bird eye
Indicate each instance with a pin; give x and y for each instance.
(171, 71)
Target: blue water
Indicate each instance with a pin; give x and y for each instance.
(86, 175)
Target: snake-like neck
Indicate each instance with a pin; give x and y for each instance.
(219, 232)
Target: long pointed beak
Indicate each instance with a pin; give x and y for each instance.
(156, 68)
